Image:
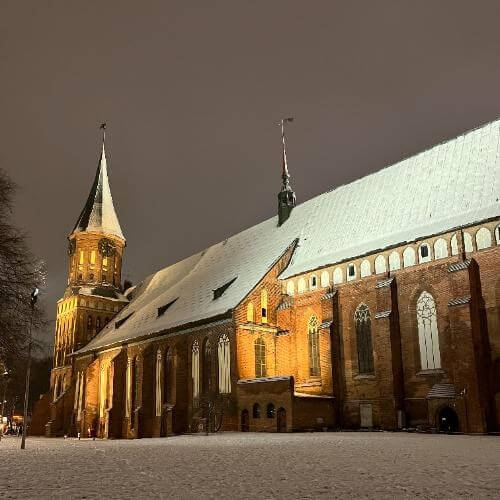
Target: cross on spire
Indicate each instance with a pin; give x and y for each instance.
(285, 175)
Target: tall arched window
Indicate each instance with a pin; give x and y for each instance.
(158, 401)
(290, 288)
(313, 341)
(224, 357)
(260, 358)
(263, 305)
(428, 334)
(468, 242)
(364, 339)
(250, 313)
(207, 367)
(195, 368)
(133, 389)
(454, 245)
(169, 377)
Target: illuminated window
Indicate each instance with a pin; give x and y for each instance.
(207, 367)
(313, 338)
(81, 257)
(92, 257)
(158, 401)
(224, 358)
(250, 313)
(260, 358)
(263, 305)
(428, 334)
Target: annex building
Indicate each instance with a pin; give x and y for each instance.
(376, 304)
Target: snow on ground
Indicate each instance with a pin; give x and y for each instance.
(232, 465)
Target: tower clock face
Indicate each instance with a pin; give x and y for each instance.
(106, 247)
(71, 247)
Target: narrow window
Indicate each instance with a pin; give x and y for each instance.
(428, 334)
(98, 325)
(290, 288)
(81, 257)
(195, 368)
(313, 283)
(301, 287)
(224, 364)
(380, 265)
(260, 358)
(440, 249)
(365, 268)
(497, 235)
(338, 276)
(250, 313)
(351, 272)
(207, 367)
(408, 257)
(133, 390)
(92, 257)
(89, 323)
(364, 339)
(313, 338)
(169, 377)
(424, 251)
(454, 245)
(158, 400)
(270, 410)
(256, 410)
(263, 305)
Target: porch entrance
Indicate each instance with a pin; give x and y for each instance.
(447, 420)
(245, 421)
(281, 420)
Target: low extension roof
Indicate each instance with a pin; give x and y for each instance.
(450, 185)
(98, 214)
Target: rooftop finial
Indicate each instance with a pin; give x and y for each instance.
(284, 175)
(103, 128)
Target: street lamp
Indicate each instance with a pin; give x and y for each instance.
(5, 376)
(33, 298)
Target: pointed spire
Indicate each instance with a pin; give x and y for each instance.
(98, 214)
(286, 197)
(285, 174)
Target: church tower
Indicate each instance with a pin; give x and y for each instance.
(93, 294)
(286, 197)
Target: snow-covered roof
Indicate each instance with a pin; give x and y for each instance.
(452, 184)
(98, 214)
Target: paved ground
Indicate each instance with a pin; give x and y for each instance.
(231, 465)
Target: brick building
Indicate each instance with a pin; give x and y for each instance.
(376, 304)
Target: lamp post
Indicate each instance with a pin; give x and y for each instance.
(5, 376)
(34, 295)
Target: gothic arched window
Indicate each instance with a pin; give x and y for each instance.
(483, 238)
(260, 358)
(394, 261)
(256, 410)
(440, 249)
(313, 341)
(380, 265)
(207, 367)
(195, 368)
(428, 334)
(224, 357)
(158, 401)
(169, 377)
(362, 321)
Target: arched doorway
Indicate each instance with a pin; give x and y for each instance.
(447, 420)
(281, 420)
(245, 421)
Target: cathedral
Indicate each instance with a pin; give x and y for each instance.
(374, 305)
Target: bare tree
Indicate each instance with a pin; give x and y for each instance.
(20, 272)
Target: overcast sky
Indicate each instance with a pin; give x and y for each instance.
(192, 92)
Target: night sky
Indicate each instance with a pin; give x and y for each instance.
(192, 93)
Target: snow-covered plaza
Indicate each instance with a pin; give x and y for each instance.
(232, 465)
